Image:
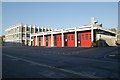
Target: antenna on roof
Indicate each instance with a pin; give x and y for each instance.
(93, 20)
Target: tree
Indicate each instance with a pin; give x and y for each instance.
(2, 42)
(113, 29)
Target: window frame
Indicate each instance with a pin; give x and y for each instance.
(86, 36)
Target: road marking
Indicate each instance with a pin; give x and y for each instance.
(112, 55)
(101, 60)
(15, 59)
(52, 67)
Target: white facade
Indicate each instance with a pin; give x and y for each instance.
(21, 33)
(93, 27)
(24, 34)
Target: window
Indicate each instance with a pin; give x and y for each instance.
(36, 30)
(40, 30)
(23, 35)
(28, 42)
(43, 30)
(72, 37)
(28, 29)
(17, 35)
(90, 36)
(32, 30)
(86, 36)
(60, 38)
(82, 36)
(47, 30)
(23, 29)
(68, 37)
(28, 35)
(32, 37)
(57, 38)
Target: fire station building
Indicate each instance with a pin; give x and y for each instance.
(84, 36)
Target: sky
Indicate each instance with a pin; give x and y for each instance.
(59, 14)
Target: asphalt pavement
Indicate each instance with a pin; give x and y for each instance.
(59, 62)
